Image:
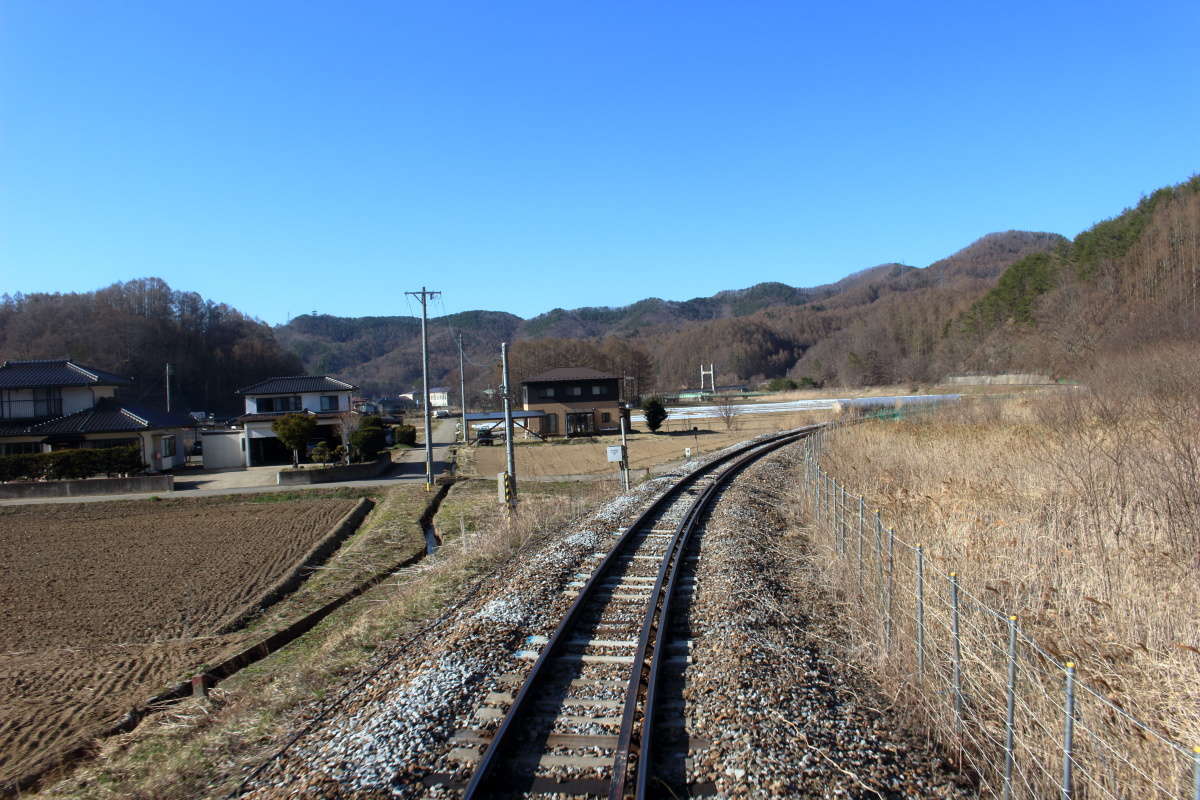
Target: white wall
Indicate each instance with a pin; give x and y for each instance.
(311, 401)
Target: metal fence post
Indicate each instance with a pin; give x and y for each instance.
(1068, 733)
(921, 611)
(879, 543)
(958, 700)
(887, 629)
(1010, 714)
(842, 524)
(1196, 773)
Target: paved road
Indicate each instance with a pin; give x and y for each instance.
(409, 467)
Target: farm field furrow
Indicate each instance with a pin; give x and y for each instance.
(106, 604)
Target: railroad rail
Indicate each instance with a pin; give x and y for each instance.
(574, 702)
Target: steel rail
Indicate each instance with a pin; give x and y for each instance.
(492, 759)
(687, 527)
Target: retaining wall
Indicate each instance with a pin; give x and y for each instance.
(352, 472)
(140, 484)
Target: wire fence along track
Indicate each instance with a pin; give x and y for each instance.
(1015, 715)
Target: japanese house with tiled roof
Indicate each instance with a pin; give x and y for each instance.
(326, 399)
(575, 401)
(60, 404)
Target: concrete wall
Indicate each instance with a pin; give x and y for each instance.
(353, 472)
(141, 484)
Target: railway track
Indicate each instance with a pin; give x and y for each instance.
(602, 700)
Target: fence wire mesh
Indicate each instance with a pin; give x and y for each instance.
(1022, 720)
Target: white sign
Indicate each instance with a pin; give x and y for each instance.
(687, 452)
(616, 452)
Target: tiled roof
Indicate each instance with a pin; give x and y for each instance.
(297, 384)
(55, 372)
(570, 374)
(107, 416)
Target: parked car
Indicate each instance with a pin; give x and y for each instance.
(484, 438)
(442, 413)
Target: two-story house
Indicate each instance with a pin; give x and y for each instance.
(575, 401)
(326, 398)
(60, 404)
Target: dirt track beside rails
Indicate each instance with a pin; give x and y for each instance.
(108, 603)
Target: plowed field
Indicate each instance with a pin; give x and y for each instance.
(106, 604)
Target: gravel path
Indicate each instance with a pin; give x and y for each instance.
(770, 687)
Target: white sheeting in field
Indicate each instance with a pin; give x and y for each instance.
(699, 412)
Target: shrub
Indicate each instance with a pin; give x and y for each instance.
(294, 430)
(71, 464)
(655, 413)
(405, 434)
(370, 438)
(782, 385)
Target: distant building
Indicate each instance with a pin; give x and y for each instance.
(575, 401)
(325, 398)
(60, 404)
(439, 397)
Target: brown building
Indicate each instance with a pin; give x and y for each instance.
(576, 401)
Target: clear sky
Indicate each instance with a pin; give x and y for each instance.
(520, 156)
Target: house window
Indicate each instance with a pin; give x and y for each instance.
(47, 402)
(329, 402)
(551, 423)
(605, 416)
(547, 391)
(19, 448)
(168, 447)
(597, 391)
(271, 405)
(576, 391)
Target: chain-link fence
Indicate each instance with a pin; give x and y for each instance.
(1024, 721)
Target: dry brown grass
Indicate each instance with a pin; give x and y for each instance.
(563, 457)
(1072, 511)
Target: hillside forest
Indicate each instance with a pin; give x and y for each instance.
(1011, 301)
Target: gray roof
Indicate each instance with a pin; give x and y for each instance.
(489, 415)
(55, 372)
(296, 384)
(570, 374)
(108, 416)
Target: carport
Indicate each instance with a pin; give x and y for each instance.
(496, 418)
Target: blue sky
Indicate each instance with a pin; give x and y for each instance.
(520, 156)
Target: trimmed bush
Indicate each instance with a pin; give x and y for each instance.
(405, 434)
(71, 464)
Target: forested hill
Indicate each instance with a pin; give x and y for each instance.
(738, 330)
(136, 328)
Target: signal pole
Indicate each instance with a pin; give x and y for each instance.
(510, 461)
(462, 392)
(424, 296)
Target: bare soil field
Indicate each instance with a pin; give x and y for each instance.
(587, 456)
(108, 603)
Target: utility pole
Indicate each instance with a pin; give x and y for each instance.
(510, 461)
(625, 452)
(424, 296)
(462, 392)
(170, 372)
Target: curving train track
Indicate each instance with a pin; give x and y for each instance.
(593, 717)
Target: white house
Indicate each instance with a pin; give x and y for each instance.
(439, 397)
(326, 398)
(59, 404)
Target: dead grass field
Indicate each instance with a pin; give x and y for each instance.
(1061, 510)
(199, 750)
(562, 457)
(107, 604)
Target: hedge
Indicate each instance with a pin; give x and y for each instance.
(71, 464)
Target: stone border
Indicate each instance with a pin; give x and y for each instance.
(138, 484)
